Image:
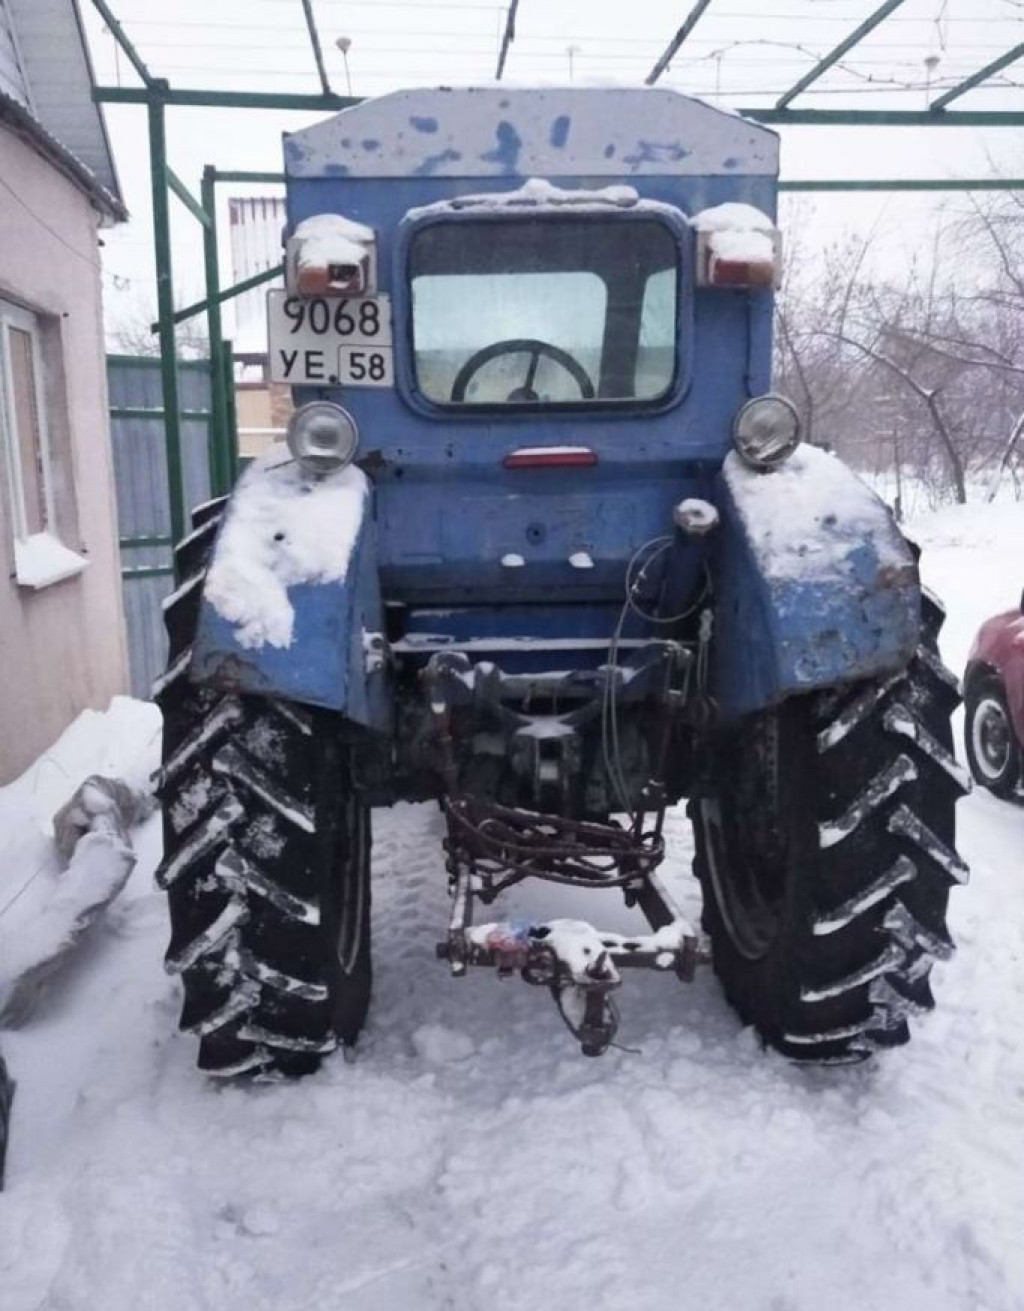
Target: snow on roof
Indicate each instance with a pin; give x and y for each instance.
(539, 195)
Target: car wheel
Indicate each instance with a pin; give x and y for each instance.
(993, 751)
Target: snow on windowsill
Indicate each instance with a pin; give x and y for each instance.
(41, 560)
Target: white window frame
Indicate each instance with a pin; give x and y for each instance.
(13, 316)
(40, 559)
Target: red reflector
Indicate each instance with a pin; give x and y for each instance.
(551, 457)
(741, 273)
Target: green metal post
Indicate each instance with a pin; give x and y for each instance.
(232, 424)
(165, 312)
(220, 463)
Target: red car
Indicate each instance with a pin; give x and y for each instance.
(994, 703)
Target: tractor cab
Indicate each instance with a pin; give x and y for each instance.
(548, 377)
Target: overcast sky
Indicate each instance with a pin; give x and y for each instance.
(742, 52)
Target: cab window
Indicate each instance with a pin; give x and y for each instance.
(544, 310)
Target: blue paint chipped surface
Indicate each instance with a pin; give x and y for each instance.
(433, 163)
(814, 583)
(506, 151)
(655, 152)
(564, 132)
(560, 131)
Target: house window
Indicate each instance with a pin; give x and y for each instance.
(40, 557)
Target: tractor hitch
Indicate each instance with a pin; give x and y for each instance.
(491, 848)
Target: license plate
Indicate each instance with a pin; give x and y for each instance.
(330, 342)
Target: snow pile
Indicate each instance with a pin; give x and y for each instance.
(437, 1045)
(737, 233)
(100, 805)
(44, 908)
(327, 239)
(283, 528)
(810, 487)
(97, 873)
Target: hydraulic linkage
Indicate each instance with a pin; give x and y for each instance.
(491, 848)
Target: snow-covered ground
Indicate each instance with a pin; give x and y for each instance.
(468, 1157)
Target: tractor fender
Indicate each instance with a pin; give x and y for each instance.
(291, 603)
(814, 585)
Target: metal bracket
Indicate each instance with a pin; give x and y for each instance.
(580, 965)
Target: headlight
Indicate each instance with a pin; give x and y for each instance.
(766, 431)
(322, 436)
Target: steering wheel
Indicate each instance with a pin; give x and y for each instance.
(519, 346)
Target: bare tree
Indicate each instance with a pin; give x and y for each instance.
(133, 333)
(924, 370)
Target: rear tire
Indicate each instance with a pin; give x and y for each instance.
(266, 864)
(826, 854)
(993, 752)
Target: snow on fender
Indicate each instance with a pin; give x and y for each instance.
(283, 528)
(814, 583)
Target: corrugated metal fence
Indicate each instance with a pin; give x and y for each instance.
(140, 470)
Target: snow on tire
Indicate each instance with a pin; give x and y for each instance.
(266, 862)
(825, 849)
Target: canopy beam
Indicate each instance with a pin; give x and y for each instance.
(314, 41)
(672, 49)
(982, 75)
(508, 37)
(823, 65)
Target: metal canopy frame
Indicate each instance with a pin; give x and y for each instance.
(157, 95)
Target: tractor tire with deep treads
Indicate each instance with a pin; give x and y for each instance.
(825, 851)
(266, 861)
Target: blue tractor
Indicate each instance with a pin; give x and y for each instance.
(545, 549)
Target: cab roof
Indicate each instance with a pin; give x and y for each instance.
(503, 131)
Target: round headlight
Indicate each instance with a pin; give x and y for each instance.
(322, 436)
(766, 431)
